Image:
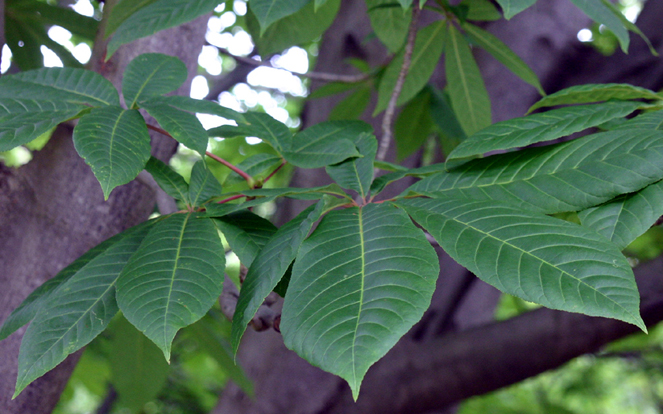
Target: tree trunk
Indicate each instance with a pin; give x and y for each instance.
(450, 355)
(52, 210)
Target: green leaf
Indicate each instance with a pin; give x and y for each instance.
(115, 143)
(352, 106)
(390, 24)
(170, 181)
(269, 11)
(160, 15)
(24, 120)
(628, 216)
(181, 125)
(427, 51)
(413, 125)
(629, 25)
(254, 165)
(360, 282)
(203, 184)
(594, 93)
(606, 16)
(357, 173)
(304, 26)
(198, 106)
(546, 126)
(46, 15)
(174, 277)
(70, 85)
(121, 12)
(501, 52)
(649, 120)
(541, 259)
(469, 97)
(28, 56)
(260, 125)
(149, 75)
(269, 266)
(138, 370)
(570, 176)
(448, 126)
(27, 310)
(76, 312)
(331, 88)
(247, 233)
(326, 143)
(382, 181)
(481, 10)
(513, 7)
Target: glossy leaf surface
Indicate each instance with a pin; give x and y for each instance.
(359, 283)
(541, 259)
(173, 279)
(115, 143)
(546, 126)
(76, 312)
(628, 216)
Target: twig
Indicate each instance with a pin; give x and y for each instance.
(327, 77)
(387, 120)
(216, 158)
(284, 162)
(235, 197)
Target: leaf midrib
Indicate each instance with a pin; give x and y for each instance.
(172, 281)
(461, 74)
(361, 292)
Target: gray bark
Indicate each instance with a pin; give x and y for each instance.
(52, 210)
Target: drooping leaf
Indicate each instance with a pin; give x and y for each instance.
(629, 25)
(181, 125)
(150, 75)
(570, 176)
(360, 282)
(628, 216)
(513, 7)
(115, 143)
(121, 12)
(70, 85)
(481, 10)
(198, 106)
(501, 52)
(546, 126)
(390, 24)
(269, 11)
(595, 93)
(428, 47)
(175, 276)
(413, 125)
(469, 97)
(254, 165)
(352, 106)
(203, 184)
(23, 120)
(541, 259)
(40, 296)
(301, 27)
(138, 370)
(269, 266)
(326, 143)
(170, 181)
(606, 16)
(246, 232)
(160, 15)
(357, 173)
(76, 312)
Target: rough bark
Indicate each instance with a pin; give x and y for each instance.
(52, 210)
(448, 357)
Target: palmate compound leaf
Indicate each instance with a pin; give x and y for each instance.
(160, 15)
(546, 126)
(77, 311)
(40, 296)
(570, 176)
(246, 232)
(326, 143)
(173, 279)
(269, 266)
(595, 93)
(60, 85)
(360, 282)
(115, 143)
(150, 75)
(626, 217)
(357, 173)
(541, 259)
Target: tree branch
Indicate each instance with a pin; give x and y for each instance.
(388, 117)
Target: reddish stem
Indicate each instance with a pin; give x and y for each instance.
(235, 197)
(284, 162)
